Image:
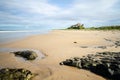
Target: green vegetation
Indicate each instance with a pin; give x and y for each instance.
(81, 27)
(77, 26)
(117, 27)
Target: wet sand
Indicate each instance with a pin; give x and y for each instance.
(59, 45)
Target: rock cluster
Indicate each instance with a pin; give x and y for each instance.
(117, 43)
(29, 55)
(106, 64)
(102, 47)
(15, 74)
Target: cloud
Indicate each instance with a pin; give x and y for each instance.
(43, 13)
(100, 10)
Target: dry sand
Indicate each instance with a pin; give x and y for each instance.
(59, 45)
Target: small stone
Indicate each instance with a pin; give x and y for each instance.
(84, 46)
(75, 42)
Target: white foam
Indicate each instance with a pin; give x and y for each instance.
(19, 31)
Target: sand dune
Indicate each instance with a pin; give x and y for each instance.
(59, 45)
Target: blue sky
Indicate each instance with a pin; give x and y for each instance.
(58, 13)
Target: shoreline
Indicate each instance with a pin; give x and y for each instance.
(59, 45)
(12, 36)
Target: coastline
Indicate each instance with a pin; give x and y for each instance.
(11, 36)
(59, 45)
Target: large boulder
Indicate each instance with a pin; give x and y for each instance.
(106, 64)
(15, 74)
(27, 54)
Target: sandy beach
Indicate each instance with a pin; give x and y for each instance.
(57, 46)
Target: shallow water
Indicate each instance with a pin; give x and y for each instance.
(40, 54)
(8, 36)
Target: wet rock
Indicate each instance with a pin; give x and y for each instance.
(76, 62)
(106, 64)
(102, 47)
(15, 74)
(29, 55)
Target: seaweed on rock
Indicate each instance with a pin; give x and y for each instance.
(27, 54)
(106, 64)
(15, 74)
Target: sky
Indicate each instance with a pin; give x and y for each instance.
(57, 14)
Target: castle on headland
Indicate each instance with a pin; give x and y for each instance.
(77, 26)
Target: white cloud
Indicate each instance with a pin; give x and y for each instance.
(32, 6)
(40, 12)
(95, 10)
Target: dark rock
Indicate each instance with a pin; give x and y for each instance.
(15, 74)
(29, 55)
(67, 62)
(84, 46)
(117, 44)
(75, 42)
(106, 64)
(72, 62)
(108, 40)
(102, 47)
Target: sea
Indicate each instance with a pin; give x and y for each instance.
(10, 34)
